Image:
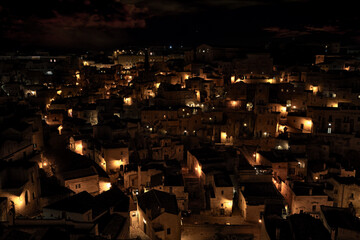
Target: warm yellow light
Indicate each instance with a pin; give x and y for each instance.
(308, 123)
(157, 85)
(281, 128)
(260, 221)
(197, 92)
(283, 109)
(59, 92)
(77, 75)
(199, 170)
(315, 89)
(234, 103)
(223, 136)
(85, 63)
(118, 163)
(60, 128)
(70, 112)
(128, 101)
(104, 186)
(232, 79)
(229, 204)
(45, 164)
(18, 201)
(79, 148)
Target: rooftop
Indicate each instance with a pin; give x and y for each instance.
(222, 180)
(155, 201)
(306, 189)
(340, 218)
(259, 193)
(305, 227)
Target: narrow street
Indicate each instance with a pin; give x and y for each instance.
(212, 231)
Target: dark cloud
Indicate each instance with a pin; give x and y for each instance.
(66, 22)
(306, 30)
(160, 7)
(285, 32)
(108, 23)
(325, 28)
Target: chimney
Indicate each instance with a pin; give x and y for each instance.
(310, 191)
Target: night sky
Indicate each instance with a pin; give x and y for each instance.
(107, 24)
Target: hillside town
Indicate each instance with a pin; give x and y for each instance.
(173, 142)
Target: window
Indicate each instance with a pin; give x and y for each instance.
(27, 199)
(222, 192)
(33, 195)
(314, 208)
(77, 186)
(168, 231)
(329, 130)
(351, 196)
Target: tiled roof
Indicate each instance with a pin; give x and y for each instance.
(155, 201)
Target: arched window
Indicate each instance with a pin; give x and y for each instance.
(27, 198)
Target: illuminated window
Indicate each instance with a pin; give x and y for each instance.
(329, 130)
